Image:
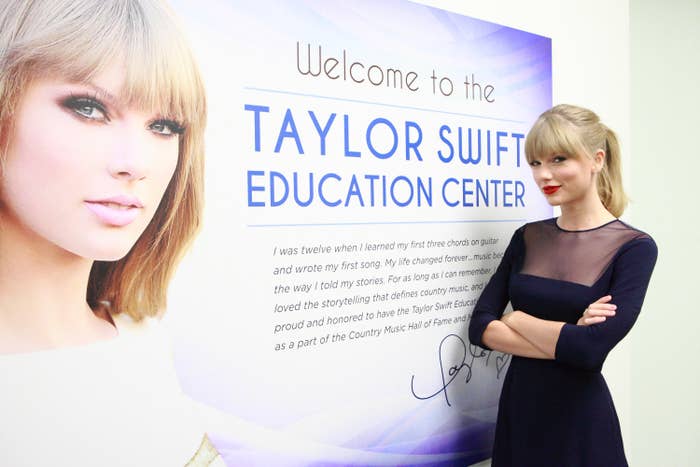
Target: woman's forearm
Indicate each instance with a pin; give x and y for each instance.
(541, 333)
(501, 337)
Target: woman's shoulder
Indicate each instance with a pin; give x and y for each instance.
(541, 223)
(639, 246)
(144, 337)
(516, 240)
(628, 237)
(634, 232)
(127, 325)
(150, 330)
(536, 227)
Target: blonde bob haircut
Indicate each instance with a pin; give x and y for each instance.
(75, 40)
(578, 132)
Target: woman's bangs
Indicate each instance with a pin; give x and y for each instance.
(160, 78)
(550, 136)
(160, 75)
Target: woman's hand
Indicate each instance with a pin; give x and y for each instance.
(597, 312)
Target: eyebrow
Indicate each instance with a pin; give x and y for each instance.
(115, 102)
(102, 93)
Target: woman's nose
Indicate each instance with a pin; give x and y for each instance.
(543, 174)
(129, 155)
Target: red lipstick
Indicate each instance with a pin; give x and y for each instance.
(550, 190)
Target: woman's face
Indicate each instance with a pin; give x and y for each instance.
(84, 171)
(567, 180)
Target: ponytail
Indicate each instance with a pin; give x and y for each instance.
(610, 189)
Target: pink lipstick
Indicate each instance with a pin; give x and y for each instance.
(550, 190)
(116, 211)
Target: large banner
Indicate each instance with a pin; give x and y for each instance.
(365, 171)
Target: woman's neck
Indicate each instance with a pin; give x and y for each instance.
(584, 214)
(42, 296)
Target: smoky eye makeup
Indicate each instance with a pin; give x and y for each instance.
(86, 106)
(166, 127)
(92, 108)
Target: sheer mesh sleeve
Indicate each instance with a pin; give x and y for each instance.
(587, 346)
(495, 296)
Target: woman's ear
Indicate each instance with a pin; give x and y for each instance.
(598, 160)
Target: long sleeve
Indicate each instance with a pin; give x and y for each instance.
(587, 346)
(495, 296)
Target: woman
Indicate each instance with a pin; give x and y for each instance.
(102, 112)
(576, 283)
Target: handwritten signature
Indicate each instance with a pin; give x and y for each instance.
(471, 353)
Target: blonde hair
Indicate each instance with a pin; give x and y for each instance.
(76, 40)
(576, 131)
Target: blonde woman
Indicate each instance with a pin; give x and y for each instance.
(102, 112)
(576, 283)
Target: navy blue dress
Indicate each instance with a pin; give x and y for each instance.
(559, 412)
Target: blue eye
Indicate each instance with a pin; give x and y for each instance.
(86, 107)
(559, 159)
(535, 163)
(166, 127)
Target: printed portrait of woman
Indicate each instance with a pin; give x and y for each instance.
(102, 113)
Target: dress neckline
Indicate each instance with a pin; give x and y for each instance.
(556, 223)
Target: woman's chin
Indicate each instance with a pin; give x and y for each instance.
(112, 245)
(111, 252)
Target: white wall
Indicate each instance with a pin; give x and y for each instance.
(665, 46)
(590, 48)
